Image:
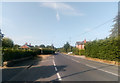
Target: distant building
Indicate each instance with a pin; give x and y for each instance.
(26, 46)
(80, 44)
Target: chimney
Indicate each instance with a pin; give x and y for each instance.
(29, 44)
(85, 41)
(26, 43)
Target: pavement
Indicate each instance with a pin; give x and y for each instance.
(61, 67)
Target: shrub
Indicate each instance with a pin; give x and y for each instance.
(104, 49)
(75, 51)
(48, 51)
(82, 52)
(12, 54)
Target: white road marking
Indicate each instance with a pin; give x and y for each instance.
(58, 75)
(102, 70)
(75, 60)
(92, 60)
(55, 69)
(53, 57)
(96, 68)
(54, 63)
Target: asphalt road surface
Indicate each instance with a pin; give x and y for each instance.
(61, 67)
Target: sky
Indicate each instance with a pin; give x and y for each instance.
(57, 23)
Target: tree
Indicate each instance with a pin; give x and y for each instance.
(114, 30)
(48, 46)
(7, 42)
(42, 46)
(52, 46)
(16, 46)
(66, 47)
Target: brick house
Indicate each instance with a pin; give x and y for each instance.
(26, 46)
(81, 44)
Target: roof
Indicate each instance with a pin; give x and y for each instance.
(26, 46)
(80, 43)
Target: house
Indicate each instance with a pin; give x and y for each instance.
(26, 46)
(81, 44)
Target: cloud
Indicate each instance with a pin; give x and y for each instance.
(62, 8)
(57, 16)
(57, 6)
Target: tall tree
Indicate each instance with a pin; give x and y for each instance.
(66, 47)
(7, 42)
(16, 46)
(42, 46)
(114, 30)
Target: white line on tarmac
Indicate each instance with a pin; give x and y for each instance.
(54, 63)
(97, 68)
(58, 75)
(55, 69)
(102, 70)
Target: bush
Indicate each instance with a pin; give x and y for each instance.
(104, 49)
(75, 51)
(48, 51)
(12, 54)
(82, 52)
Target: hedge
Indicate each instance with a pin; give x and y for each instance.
(48, 51)
(12, 54)
(82, 52)
(76, 51)
(107, 49)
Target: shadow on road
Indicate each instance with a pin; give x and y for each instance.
(30, 70)
(81, 72)
(8, 73)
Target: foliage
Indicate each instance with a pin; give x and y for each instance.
(7, 42)
(48, 51)
(104, 49)
(16, 46)
(12, 54)
(114, 30)
(67, 47)
(42, 46)
(75, 51)
(50, 46)
(82, 52)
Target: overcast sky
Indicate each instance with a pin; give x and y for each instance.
(56, 23)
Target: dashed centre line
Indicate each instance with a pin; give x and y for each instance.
(58, 75)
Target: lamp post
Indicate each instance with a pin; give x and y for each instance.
(1, 56)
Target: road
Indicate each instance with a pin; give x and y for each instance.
(61, 67)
